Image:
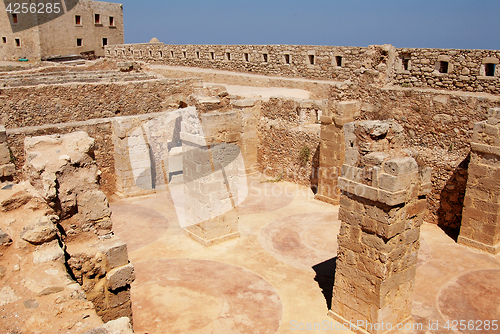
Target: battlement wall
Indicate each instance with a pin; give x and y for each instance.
(451, 69)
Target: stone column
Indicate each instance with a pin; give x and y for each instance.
(381, 208)
(332, 150)
(210, 180)
(481, 214)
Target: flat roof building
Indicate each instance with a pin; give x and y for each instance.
(38, 29)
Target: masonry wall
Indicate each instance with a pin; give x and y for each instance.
(466, 70)
(29, 46)
(438, 128)
(59, 36)
(52, 104)
(43, 35)
(307, 61)
(283, 135)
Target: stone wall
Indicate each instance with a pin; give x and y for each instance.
(7, 168)
(481, 215)
(56, 103)
(466, 70)
(320, 62)
(289, 140)
(438, 127)
(99, 129)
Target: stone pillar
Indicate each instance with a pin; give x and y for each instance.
(381, 208)
(7, 168)
(481, 214)
(132, 157)
(210, 180)
(332, 150)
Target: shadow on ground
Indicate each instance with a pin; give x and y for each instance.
(325, 276)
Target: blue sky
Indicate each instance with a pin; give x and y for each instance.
(462, 24)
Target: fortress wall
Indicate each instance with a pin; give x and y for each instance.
(50, 104)
(466, 70)
(304, 61)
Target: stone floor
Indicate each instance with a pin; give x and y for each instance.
(277, 277)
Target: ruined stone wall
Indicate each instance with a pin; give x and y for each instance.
(466, 70)
(100, 130)
(289, 140)
(438, 127)
(70, 102)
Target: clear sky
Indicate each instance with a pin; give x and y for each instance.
(461, 24)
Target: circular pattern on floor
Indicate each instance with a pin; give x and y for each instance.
(472, 296)
(137, 225)
(302, 240)
(199, 296)
(265, 197)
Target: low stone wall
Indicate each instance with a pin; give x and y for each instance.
(50, 104)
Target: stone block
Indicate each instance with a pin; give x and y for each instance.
(394, 183)
(118, 298)
(246, 103)
(40, 230)
(326, 120)
(3, 134)
(115, 251)
(4, 154)
(400, 165)
(348, 109)
(49, 252)
(375, 158)
(120, 277)
(351, 156)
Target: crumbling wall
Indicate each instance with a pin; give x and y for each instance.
(7, 168)
(59, 223)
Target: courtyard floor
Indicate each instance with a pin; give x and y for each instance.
(278, 276)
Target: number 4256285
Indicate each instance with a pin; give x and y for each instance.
(41, 8)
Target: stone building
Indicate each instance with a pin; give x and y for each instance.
(61, 28)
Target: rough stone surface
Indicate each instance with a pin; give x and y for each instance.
(62, 169)
(41, 230)
(480, 220)
(5, 239)
(381, 210)
(120, 277)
